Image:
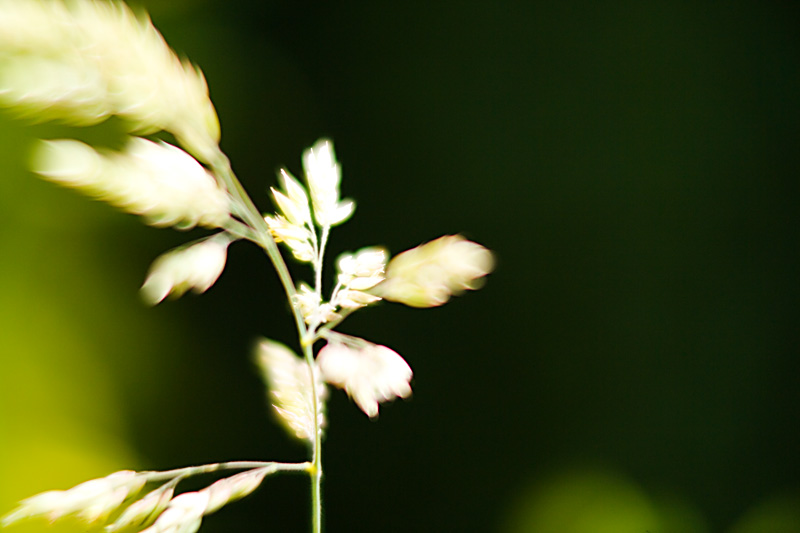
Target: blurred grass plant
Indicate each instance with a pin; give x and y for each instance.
(83, 61)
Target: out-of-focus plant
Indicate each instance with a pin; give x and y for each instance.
(83, 61)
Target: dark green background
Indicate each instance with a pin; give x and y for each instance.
(634, 165)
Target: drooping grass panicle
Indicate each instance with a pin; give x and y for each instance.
(81, 61)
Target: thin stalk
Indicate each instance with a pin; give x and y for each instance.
(240, 230)
(308, 351)
(231, 465)
(315, 470)
(322, 331)
(323, 240)
(251, 216)
(222, 169)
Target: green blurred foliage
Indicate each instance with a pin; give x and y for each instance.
(592, 500)
(776, 514)
(60, 412)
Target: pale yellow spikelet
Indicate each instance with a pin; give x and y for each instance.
(196, 267)
(142, 512)
(323, 175)
(41, 88)
(183, 514)
(354, 299)
(370, 374)
(428, 275)
(292, 201)
(35, 28)
(298, 238)
(92, 500)
(225, 491)
(311, 306)
(359, 272)
(85, 60)
(289, 382)
(362, 270)
(158, 181)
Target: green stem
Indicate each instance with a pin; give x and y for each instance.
(252, 217)
(308, 351)
(240, 230)
(222, 169)
(315, 470)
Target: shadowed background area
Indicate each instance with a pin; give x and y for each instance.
(630, 366)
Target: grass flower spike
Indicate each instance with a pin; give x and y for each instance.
(159, 181)
(233, 488)
(86, 60)
(294, 203)
(297, 238)
(143, 512)
(81, 61)
(313, 309)
(369, 373)
(363, 270)
(183, 514)
(323, 174)
(196, 267)
(289, 381)
(92, 500)
(428, 275)
(357, 274)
